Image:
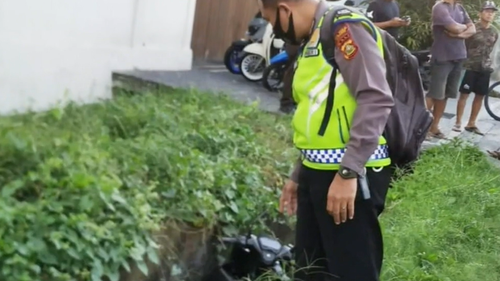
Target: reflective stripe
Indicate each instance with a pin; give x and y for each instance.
(334, 156)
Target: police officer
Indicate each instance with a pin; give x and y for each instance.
(287, 104)
(339, 185)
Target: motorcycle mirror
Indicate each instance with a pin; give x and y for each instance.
(229, 240)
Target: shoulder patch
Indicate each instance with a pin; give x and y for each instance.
(345, 43)
(349, 50)
(343, 35)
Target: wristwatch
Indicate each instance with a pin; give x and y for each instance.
(347, 173)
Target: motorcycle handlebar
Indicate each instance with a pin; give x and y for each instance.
(230, 240)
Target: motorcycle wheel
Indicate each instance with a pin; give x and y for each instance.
(252, 67)
(232, 59)
(272, 78)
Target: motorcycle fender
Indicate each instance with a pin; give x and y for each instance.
(255, 48)
(241, 43)
(280, 58)
(278, 43)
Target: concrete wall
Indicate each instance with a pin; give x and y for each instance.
(53, 51)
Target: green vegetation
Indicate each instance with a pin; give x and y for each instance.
(443, 221)
(418, 35)
(85, 189)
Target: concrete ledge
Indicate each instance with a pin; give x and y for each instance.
(129, 82)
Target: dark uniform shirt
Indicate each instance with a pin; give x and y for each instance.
(479, 48)
(364, 75)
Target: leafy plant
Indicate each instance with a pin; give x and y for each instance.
(418, 35)
(84, 188)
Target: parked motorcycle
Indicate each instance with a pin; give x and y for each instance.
(272, 78)
(253, 257)
(424, 65)
(258, 55)
(234, 53)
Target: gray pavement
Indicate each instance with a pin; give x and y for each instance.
(215, 78)
(491, 128)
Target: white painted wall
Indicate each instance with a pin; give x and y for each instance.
(53, 51)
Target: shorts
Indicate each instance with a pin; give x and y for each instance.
(475, 82)
(445, 79)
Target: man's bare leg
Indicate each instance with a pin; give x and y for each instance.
(437, 112)
(476, 107)
(429, 102)
(460, 111)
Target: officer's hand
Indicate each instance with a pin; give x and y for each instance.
(288, 200)
(340, 200)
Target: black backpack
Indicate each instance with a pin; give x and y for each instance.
(409, 120)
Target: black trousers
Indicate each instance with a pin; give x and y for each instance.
(351, 251)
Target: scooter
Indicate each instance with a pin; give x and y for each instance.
(258, 55)
(253, 257)
(273, 74)
(234, 53)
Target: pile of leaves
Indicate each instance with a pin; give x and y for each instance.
(83, 188)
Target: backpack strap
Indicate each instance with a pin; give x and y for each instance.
(330, 22)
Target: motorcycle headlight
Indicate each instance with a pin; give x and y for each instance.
(268, 256)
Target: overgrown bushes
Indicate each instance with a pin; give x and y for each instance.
(84, 188)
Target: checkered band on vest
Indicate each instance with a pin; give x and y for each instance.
(334, 156)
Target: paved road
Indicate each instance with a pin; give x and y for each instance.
(215, 78)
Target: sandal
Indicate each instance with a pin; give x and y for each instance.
(437, 135)
(474, 130)
(457, 128)
(494, 154)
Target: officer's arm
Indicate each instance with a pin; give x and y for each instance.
(363, 68)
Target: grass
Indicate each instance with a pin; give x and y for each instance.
(442, 222)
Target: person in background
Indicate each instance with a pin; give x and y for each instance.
(385, 15)
(478, 67)
(287, 104)
(451, 25)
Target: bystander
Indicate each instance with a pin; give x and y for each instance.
(385, 15)
(478, 67)
(451, 25)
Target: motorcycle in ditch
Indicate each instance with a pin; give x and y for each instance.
(234, 53)
(258, 55)
(252, 257)
(272, 78)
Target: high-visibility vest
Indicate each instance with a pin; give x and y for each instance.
(310, 90)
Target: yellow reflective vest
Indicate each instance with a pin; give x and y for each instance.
(310, 90)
